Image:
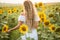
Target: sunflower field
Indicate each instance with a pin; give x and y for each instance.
(49, 24)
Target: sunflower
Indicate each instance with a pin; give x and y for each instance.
(1, 11)
(46, 23)
(42, 19)
(23, 29)
(51, 15)
(5, 28)
(18, 11)
(36, 5)
(40, 4)
(9, 11)
(41, 14)
(56, 8)
(14, 10)
(52, 28)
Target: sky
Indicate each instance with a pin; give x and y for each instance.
(21, 1)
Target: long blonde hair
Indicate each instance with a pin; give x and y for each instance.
(29, 10)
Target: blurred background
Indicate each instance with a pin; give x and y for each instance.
(48, 11)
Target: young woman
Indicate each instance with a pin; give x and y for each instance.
(29, 17)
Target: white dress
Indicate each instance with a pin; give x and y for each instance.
(33, 34)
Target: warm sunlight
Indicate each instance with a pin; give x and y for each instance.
(21, 1)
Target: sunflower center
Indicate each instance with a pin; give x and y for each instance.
(40, 4)
(35, 5)
(42, 15)
(9, 11)
(53, 28)
(42, 19)
(24, 29)
(51, 15)
(46, 23)
(5, 29)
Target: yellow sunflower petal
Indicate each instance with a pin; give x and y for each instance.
(1, 11)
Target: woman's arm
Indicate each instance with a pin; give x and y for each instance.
(17, 26)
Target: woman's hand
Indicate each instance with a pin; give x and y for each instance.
(16, 27)
(9, 30)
